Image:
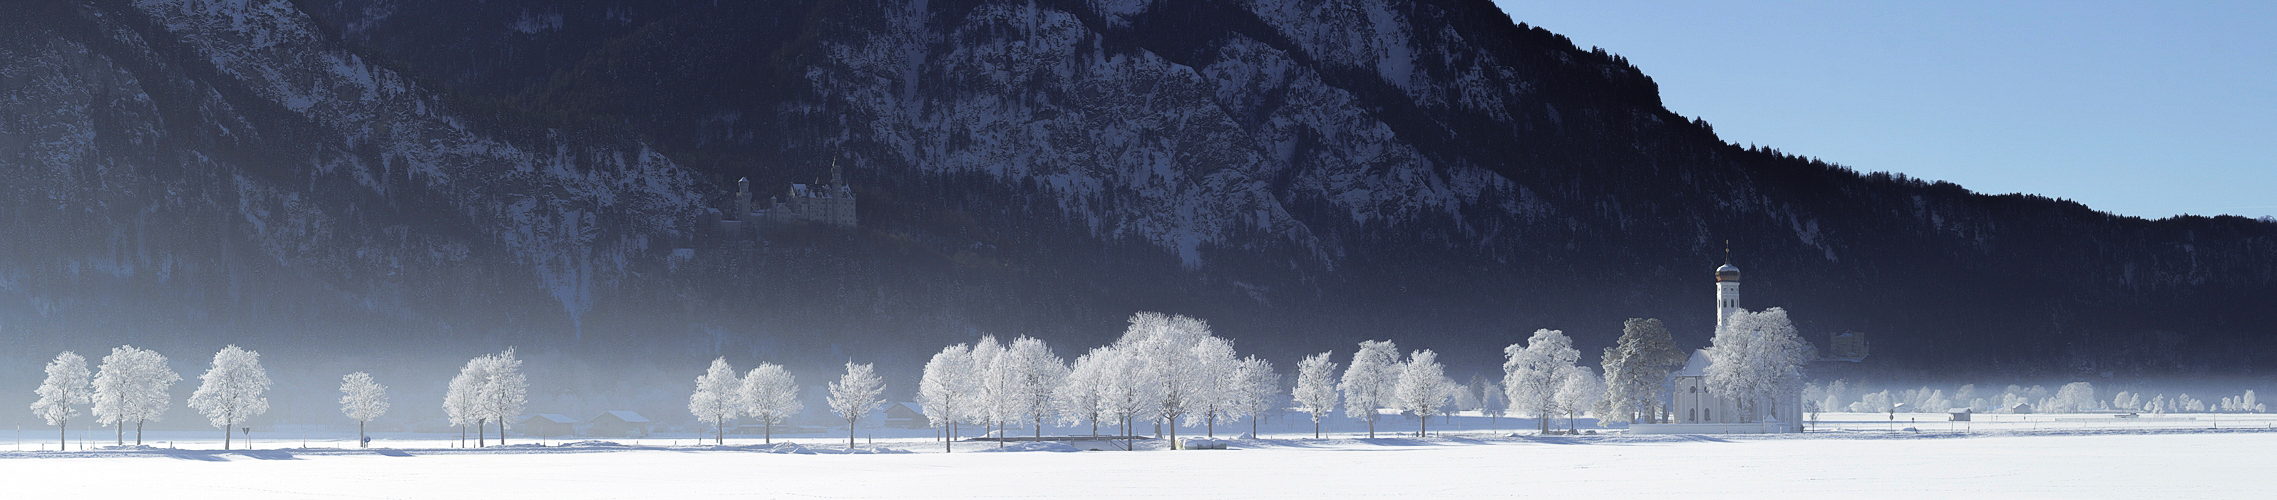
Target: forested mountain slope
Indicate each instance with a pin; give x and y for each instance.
(431, 177)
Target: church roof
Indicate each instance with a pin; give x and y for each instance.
(1727, 268)
(1695, 367)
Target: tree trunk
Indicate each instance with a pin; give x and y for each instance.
(121, 424)
(138, 433)
(1173, 432)
(721, 426)
(1316, 428)
(1371, 427)
(225, 436)
(1210, 425)
(850, 429)
(770, 432)
(502, 431)
(62, 438)
(481, 430)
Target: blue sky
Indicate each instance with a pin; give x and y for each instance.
(2148, 109)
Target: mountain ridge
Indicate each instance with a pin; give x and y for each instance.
(1304, 178)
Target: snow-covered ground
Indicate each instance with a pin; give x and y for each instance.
(1994, 458)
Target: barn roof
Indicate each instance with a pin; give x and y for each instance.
(626, 416)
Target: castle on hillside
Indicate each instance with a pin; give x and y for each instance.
(817, 203)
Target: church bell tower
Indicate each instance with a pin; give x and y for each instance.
(1727, 290)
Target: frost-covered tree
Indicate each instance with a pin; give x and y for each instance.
(1756, 358)
(1581, 391)
(1935, 402)
(949, 386)
(1876, 402)
(1817, 398)
(363, 400)
(151, 393)
(990, 388)
(1485, 397)
(132, 386)
(1370, 381)
(1082, 397)
(109, 392)
(505, 391)
(462, 401)
(1258, 387)
(1164, 349)
(2073, 398)
(1466, 399)
(66, 387)
(2248, 402)
(232, 390)
(1636, 371)
(1496, 403)
(771, 395)
(1422, 388)
(2124, 401)
(1126, 395)
(854, 395)
(718, 398)
(1533, 372)
(1213, 361)
(1035, 375)
(1316, 388)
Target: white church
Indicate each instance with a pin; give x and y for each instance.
(1693, 410)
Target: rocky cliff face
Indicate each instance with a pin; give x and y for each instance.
(361, 173)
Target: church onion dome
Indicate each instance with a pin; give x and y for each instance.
(1727, 273)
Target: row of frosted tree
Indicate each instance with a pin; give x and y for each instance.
(1167, 370)
(135, 386)
(2074, 397)
(769, 394)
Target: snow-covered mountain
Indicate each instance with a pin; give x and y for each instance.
(431, 175)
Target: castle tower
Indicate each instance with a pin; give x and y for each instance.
(743, 198)
(1727, 291)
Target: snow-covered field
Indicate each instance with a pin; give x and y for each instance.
(2142, 462)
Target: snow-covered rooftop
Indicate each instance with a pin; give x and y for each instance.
(1695, 367)
(627, 416)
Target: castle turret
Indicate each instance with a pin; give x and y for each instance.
(743, 198)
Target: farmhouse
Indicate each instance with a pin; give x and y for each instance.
(545, 425)
(906, 415)
(619, 423)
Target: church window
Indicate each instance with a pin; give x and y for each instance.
(1708, 413)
